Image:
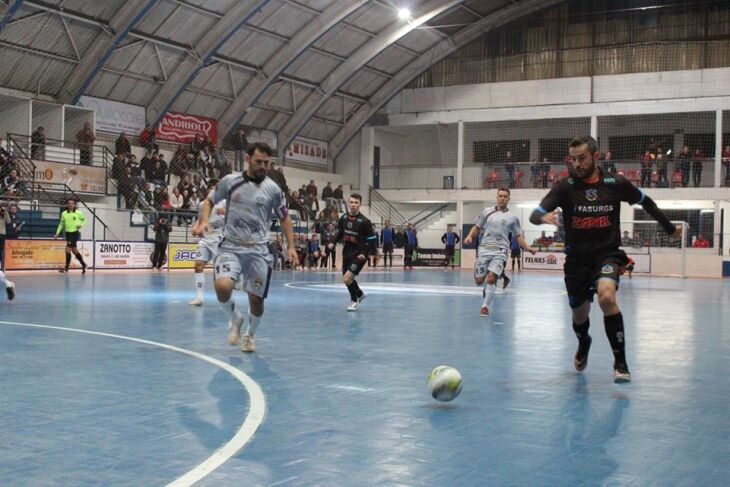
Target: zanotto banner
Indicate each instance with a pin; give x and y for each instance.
(43, 254)
(123, 255)
(82, 179)
(308, 150)
(181, 127)
(555, 261)
(114, 116)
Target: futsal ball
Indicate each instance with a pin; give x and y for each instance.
(444, 383)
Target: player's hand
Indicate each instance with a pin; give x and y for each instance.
(55, 237)
(551, 218)
(331, 246)
(361, 258)
(200, 229)
(291, 253)
(220, 211)
(677, 232)
(532, 250)
(467, 240)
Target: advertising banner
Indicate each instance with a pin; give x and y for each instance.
(181, 127)
(81, 179)
(114, 116)
(123, 255)
(43, 254)
(435, 257)
(307, 150)
(181, 255)
(262, 135)
(554, 261)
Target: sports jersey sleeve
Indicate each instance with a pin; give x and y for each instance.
(481, 220)
(549, 203)
(340, 230)
(221, 191)
(82, 220)
(60, 225)
(516, 227)
(367, 243)
(630, 193)
(633, 195)
(280, 208)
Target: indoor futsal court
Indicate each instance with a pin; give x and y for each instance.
(344, 394)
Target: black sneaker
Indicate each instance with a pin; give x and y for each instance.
(11, 291)
(581, 355)
(83, 269)
(506, 282)
(621, 372)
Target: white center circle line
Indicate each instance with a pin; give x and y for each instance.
(256, 413)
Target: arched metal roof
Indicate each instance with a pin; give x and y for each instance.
(316, 68)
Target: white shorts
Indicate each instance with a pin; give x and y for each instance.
(489, 263)
(206, 251)
(249, 265)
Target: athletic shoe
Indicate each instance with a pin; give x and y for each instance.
(248, 344)
(580, 360)
(484, 311)
(83, 269)
(362, 297)
(505, 282)
(10, 289)
(621, 373)
(62, 271)
(353, 306)
(234, 329)
(196, 302)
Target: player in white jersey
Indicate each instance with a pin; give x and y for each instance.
(251, 199)
(9, 286)
(494, 226)
(208, 249)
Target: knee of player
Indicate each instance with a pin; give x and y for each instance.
(491, 279)
(199, 266)
(607, 294)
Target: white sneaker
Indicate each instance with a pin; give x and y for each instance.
(10, 289)
(248, 344)
(353, 306)
(196, 302)
(234, 329)
(362, 298)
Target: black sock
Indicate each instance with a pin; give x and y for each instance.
(68, 260)
(615, 333)
(80, 259)
(581, 331)
(355, 291)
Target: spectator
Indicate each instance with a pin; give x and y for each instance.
(162, 236)
(4, 224)
(118, 165)
(145, 199)
(314, 253)
(187, 207)
(198, 183)
(701, 242)
(178, 164)
(338, 195)
(327, 194)
(661, 167)
(329, 239)
(157, 174)
(608, 165)
(185, 184)
(13, 185)
(6, 162)
(647, 161)
(147, 138)
(239, 144)
(14, 226)
(38, 144)
(85, 143)
(136, 172)
(176, 203)
(684, 165)
(697, 167)
(195, 200)
(726, 163)
(126, 188)
(122, 145)
(626, 240)
(509, 165)
(411, 244)
(196, 145)
(277, 175)
(399, 238)
(276, 249)
(544, 172)
(302, 247)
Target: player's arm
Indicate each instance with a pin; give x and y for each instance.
(523, 244)
(545, 212)
(443, 238)
(367, 241)
(457, 239)
(82, 219)
(633, 195)
(472, 233)
(60, 227)
(202, 226)
(288, 227)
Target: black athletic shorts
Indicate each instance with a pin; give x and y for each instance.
(352, 264)
(388, 248)
(516, 253)
(72, 238)
(583, 273)
(450, 249)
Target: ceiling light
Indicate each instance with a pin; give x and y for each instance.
(404, 13)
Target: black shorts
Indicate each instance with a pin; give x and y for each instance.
(352, 264)
(515, 254)
(388, 248)
(450, 250)
(582, 274)
(72, 238)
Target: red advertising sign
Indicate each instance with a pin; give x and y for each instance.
(181, 127)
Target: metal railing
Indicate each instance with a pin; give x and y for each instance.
(380, 205)
(64, 151)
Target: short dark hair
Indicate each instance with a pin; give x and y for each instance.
(506, 190)
(261, 147)
(585, 139)
(356, 196)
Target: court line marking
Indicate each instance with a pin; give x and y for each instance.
(256, 413)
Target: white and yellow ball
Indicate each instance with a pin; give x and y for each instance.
(444, 383)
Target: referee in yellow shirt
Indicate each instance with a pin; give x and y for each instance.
(71, 221)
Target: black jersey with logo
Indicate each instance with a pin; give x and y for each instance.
(357, 234)
(591, 212)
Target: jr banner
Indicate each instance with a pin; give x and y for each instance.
(181, 255)
(123, 255)
(308, 150)
(115, 117)
(43, 254)
(181, 127)
(81, 179)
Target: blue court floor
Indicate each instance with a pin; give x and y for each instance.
(344, 393)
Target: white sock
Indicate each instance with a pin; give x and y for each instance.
(229, 309)
(490, 289)
(199, 285)
(253, 323)
(3, 281)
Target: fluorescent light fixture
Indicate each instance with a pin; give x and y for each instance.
(707, 211)
(404, 13)
(528, 205)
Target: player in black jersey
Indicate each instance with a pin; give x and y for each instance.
(591, 202)
(360, 240)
